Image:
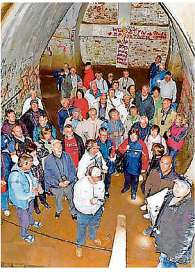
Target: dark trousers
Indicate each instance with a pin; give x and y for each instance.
(131, 181)
(26, 218)
(42, 199)
(107, 182)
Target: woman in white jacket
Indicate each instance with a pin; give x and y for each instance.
(91, 157)
(154, 138)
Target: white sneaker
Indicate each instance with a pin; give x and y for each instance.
(6, 213)
(146, 216)
(143, 207)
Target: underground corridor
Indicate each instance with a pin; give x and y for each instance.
(51, 34)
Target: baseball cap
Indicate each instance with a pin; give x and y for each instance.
(34, 101)
(168, 73)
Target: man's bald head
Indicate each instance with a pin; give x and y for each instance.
(166, 164)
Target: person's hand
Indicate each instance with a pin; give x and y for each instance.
(93, 201)
(168, 133)
(63, 184)
(35, 191)
(40, 189)
(3, 182)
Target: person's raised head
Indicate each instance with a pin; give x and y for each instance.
(56, 146)
(10, 116)
(92, 147)
(68, 131)
(103, 134)
(17, 131)
(143, 121)
(181, 188)
(166, 164)
(92, 113)
(25, 162)
(166, 104)
(114, 115)
(145, 90)
(65, 102)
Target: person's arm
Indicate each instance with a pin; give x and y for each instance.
(60, 122)
(145, 156)
(174, 92)
(14, 182)
(82, 168)
(123, 147)
(105, 86)
(54, 132)
(71, 169)
(80, 199)
(151, 109)
(50, 176)
(26, 106)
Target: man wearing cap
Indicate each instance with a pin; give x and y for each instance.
(175, 226)
(88, 199)
(31, 117)
(168, 87)
(75, 119)
(33, 95)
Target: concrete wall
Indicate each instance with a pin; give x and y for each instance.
(26, 31)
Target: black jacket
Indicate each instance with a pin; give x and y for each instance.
(145, 107)
(80, 145)
(176, 226)
(30, 121)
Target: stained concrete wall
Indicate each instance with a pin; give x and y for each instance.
(26, 31)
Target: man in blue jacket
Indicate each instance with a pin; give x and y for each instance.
(145, 102)
(60, 176)
(23, 188)
(63, 113)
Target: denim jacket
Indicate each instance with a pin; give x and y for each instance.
(19, 187)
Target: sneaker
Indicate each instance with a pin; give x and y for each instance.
(107, 195)
(146, 216)
(29, 239)
(79, 252)
(46, 205)
(143, 207)
(57, 215)
(133, 197)
(74, 217)
(6, 213)
(37, 224)
(148, 231)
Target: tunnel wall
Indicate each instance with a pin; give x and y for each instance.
(148, 27)
(23, 41)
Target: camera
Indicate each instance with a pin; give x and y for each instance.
(162, 122)
(63, 178)
(124, 88)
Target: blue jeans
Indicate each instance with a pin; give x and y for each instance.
(173, 153)
(90, 221)
(165, 263)
(25, 218)
(4, 201)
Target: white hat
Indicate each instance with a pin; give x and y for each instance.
(96, 172)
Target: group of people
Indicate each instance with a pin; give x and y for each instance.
(106, 125)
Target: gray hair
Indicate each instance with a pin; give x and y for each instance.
(54, 142)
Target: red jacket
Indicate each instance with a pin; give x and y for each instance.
(88, 77)
(82, 104)
(145, 157)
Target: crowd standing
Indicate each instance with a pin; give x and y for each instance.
(107, 127)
